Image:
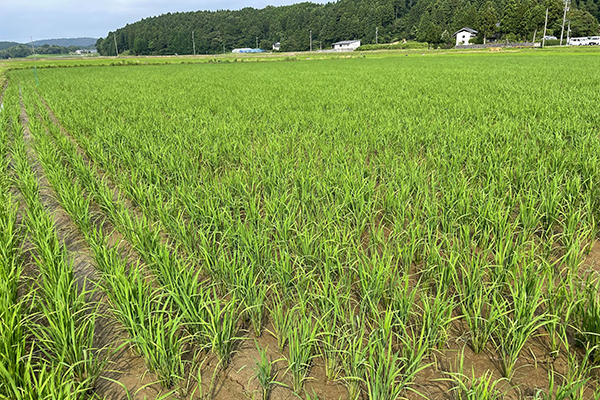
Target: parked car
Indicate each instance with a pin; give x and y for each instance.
(579, 41)
(594, 41)
(550, 38)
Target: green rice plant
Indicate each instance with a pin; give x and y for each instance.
(265, 374)
(520, 324)
(221, 327)
(415, 346)
(587, 317)
(281, 319)
(329, 342)
(384, 375)
(402, 299)
(529, 216)
(253, 294)
(572, 238)
(437, 315)
(373, 275)
(354, 361)
(561, 306)
(68, 336)
(45, 381)
(473, 388)
(479, 306)
(14, 311)
(562, 391)
(302, 344)
(147, 319)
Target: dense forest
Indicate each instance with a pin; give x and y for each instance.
(432, 21)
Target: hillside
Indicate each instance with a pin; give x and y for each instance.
(431, 21)
(6, 45)
(78, 42)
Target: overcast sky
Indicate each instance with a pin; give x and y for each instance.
(51, 19)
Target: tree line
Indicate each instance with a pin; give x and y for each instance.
(23, 50)
(431, 21)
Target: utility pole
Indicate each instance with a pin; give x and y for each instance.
(311, 40)
(193, 43)
(223, 48)
(568, 33)
(562, 30)
(116, 48)
(545, 25)
(376, 33)
(534, 33)
(257, 42)
(33, 48)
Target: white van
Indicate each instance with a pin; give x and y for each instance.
(594, 41)
(579, 41)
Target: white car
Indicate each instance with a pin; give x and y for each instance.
(579, 41)
(594, 41)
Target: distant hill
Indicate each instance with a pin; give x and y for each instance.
(6, 45)
(78, 42)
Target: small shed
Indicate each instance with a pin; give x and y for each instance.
(464, 35)
(346, 45)
(276, 46)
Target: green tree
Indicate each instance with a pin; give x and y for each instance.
(582, 23)
(487, 20)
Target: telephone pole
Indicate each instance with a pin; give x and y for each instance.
(193, 43)
(33, 48)
(311, 40)
(257, 42)
(116, 48)
(376, 33)
(562, 30)
(545, 25)
(568, 33)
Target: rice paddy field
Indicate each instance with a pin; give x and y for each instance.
(380, 227)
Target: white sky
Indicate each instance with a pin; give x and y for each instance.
(49, 19)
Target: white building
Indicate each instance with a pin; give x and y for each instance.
(464, 35)
(276, 46)
(346, 45)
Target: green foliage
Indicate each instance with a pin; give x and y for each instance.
(422, 20)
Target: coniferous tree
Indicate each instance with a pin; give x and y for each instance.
(487, 20)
